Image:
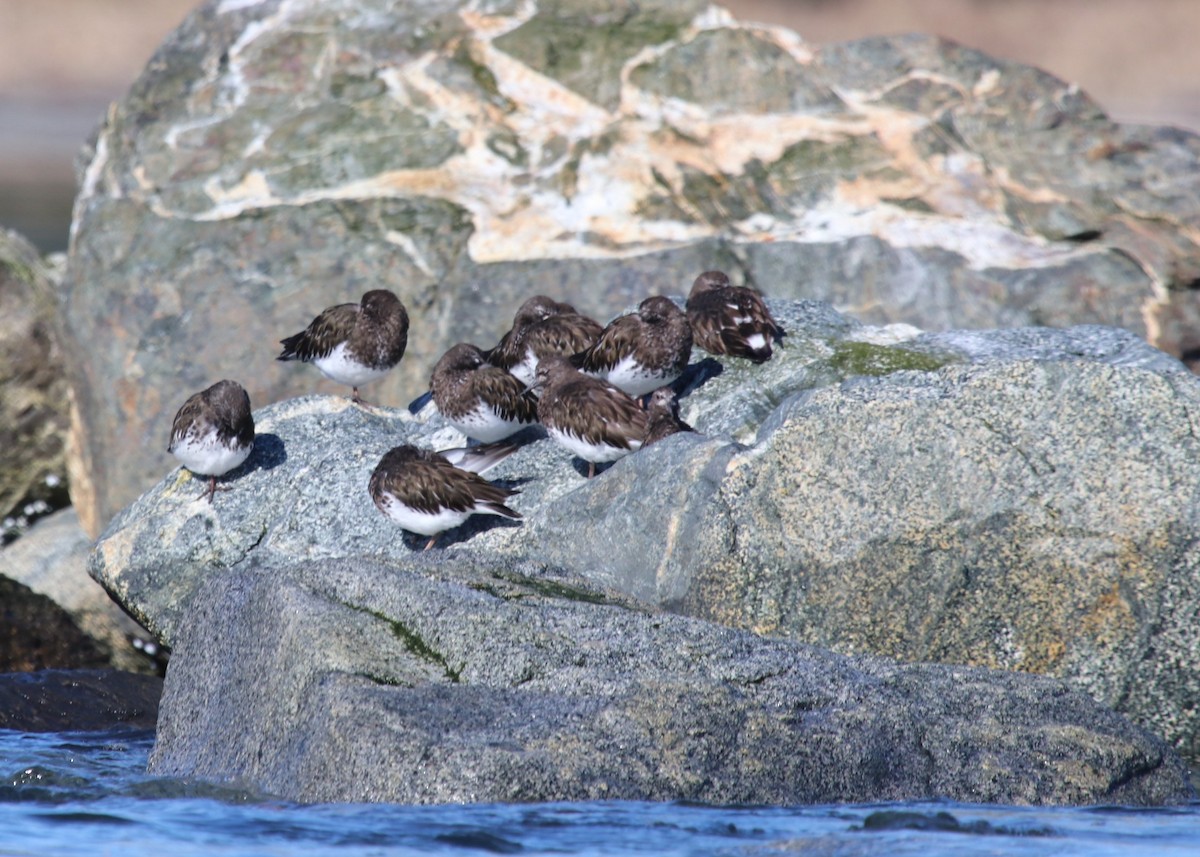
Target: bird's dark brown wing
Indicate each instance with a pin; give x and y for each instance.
(506, 394)
(615, 343)
(724, 321)
(564, 334)
(431, 484)
(506, 353)
(595, 412)
(322, 335)
(559, 334)
(185, 418)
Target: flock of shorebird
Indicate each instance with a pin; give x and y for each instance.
(600, 392)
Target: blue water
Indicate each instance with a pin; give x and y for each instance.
(88, 794)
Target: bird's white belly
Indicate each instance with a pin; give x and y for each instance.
(526, 370)
(485, 425)
(207, 456)
(634, 379)
(416, 521)
(595, 452)
(337, 366)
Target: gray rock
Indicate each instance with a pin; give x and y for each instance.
(301, 493)
(78, 700)
(33, 389)
(51, 559)
(278, 157)
(431, 682)
(37, 634)
(1022, 499)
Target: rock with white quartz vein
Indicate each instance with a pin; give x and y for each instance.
(280, 156)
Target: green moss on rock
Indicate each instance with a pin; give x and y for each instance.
(808, 169)
(866, 358)
(413, 642)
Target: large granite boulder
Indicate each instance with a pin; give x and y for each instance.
(276, 157)
(1016, 498)
(33, 388)
(428, 681)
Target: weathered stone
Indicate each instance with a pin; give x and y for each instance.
(33, 388)
(281, 156)
(37, 634)
(51, 559)
(464, 681)
(1016, 498)
(83, 700)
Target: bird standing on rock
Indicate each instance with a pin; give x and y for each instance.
(642, 351)
(353, 344)
(424, 493)
(593, 419)
(482, 401)
(213, 433)
(542, 327)
(729, 319)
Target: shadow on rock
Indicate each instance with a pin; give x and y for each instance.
(697, 375)
(269, 452)
(462, 533)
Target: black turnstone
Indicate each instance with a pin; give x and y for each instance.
(353, 344)
(590, 417)
(482, 401)
(729, 319)
(662, 413)
(213, 432)
(424, 493)
(642, 351)
(541, 328)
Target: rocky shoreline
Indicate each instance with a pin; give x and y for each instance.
(374, 636)
(1014, 489)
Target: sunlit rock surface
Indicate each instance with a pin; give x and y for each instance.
(1018, 498)
(469, 681)
(276, 157)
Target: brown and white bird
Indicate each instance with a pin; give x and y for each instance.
(353, 344)
(542, 327)
(662, 415)
(729, 319)
(642, 351)
(425, 494)
(213, 432)
(482, 401)
(591, 418)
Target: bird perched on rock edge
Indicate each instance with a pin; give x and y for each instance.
(353, 344)
(213, 432)
(728, 319)
(425, 494)
(542, 327)
(641, 351)
(591, 418)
